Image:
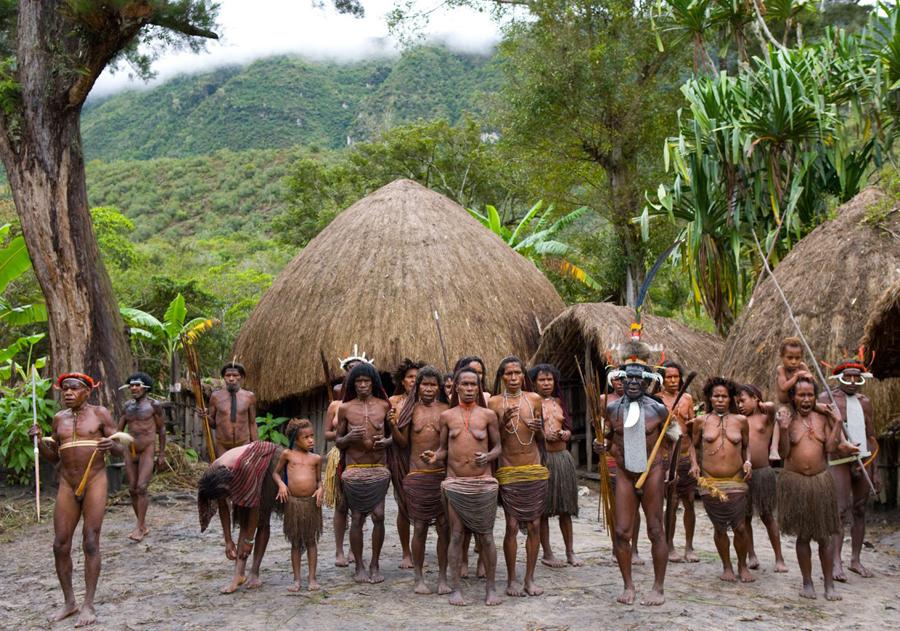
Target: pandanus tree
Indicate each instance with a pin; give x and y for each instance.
(51, 53)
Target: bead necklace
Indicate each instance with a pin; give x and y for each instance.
(721, 433)
(515, 427)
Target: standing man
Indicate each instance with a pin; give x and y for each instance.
(852, 489)
(470, 442)
(363, 434)
(144, 419)
(522, 477)
(244, 476)
(562, 491)
(232, 414)
(685, 483)
(80, 432)
(807, 499)
(417, 431)
(634, 423)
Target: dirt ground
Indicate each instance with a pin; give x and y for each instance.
(170, 581)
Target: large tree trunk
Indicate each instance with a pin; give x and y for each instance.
(41, 149)
(625, 205)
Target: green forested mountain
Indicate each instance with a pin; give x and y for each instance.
(283, 102)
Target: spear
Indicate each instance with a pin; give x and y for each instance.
(437, 322)
(802, 337)
(37, 466)
(193, 362)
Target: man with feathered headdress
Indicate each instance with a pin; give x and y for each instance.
(852, 489)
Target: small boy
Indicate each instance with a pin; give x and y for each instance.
(302, 495)
(791, 369)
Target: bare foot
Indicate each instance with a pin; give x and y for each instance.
(533, 590)
(728, 576)
(780, 567)
(808, 591)
(456, 599)
(312, 585)
(627, 596)
(491, 599)
(232, 586)
(752, 562)
(406, 563)
(443, 589)
(421, 588)
(340, 560)
(573, 560)
(230, 550)
(464, 571)
(746, 576)
(552, 561)
(830, 594)
(360, 576)
(859, 568)
(254, 582)
(514, 589)
(86, 616)
(139, 533)
(636, 560)
(691, 557)
(375, 574)
(479, 569)
(295, 587)
(674, 557)
(839, 575)
(654, 598)
(67, 610)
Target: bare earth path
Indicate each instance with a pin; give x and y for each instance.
(170, 581)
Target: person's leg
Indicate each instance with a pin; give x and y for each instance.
(403, 532)
(225, 519)
(548, 559)
(260, 543)
(752, 560)
(464, 559)
(771, 525)
(339, 522)
(826, 558)
(690, 522)
(356, 543)
(295, 566)
(455, 554)
(652, 503)
(510, 550)
(723, 547)
(66, 514)
(375, 575)
(636, 532)
(858, 530)
(94, 508)
(844, 490)
(131, 474)
(420, 534)
(740, 546)
(489, 556)
(312, 561)
(532, 547)
(565, 527)
(804, 560)
(674, 557)
(443, 541)
(626, 501)
(144, 473)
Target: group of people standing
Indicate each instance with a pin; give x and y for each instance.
(453, 451)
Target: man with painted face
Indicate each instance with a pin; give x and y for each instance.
(363, 434)
(852, 489)
(232, 414)
(80, 432)
(144, 419)
(634, 422)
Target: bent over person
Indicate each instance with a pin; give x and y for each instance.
(143, 417)
(80, 432)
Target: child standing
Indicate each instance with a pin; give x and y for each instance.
(302, 495)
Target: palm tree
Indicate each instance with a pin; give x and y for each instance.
(537, 242)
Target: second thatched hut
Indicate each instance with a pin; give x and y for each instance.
(375, 277)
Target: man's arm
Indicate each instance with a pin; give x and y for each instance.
(251, 419)
(212, 411)
(160, 421)
(107, 429)
(494, 438)
(122, 422)
(696, 429)
(49, 452)
(330, 419)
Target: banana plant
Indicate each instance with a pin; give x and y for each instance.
(534, 237)
(14, 262)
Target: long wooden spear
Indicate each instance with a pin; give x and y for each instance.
(662, 432)
(437, 323)
(37, 464)
(193, 362)
(812, 356)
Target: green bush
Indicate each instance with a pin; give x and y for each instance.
(17, 448)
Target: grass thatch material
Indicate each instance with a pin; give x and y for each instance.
(832, 279)
(882, 334)
(371, 278)
(603, 325)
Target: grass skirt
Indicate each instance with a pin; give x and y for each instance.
(474, 500)
(365, 487)
(763, 493)
(332, 484)
(562, 487)
(807, 505)
(302, 521)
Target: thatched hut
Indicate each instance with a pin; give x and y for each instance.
(375, 277)
(597, 327)
(882, 335)
(833, 279)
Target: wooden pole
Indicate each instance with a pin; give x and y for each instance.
(37, 464)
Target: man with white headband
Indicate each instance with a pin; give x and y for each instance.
(634, 424)
(852, 489)
(144, 418)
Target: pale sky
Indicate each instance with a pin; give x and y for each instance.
(250, 30)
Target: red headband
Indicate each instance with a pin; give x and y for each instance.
(848, 364)
(78, 376)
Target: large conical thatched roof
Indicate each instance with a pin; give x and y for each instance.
(882, 336)
(832, 279)
(373, 278)
(601, 326)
